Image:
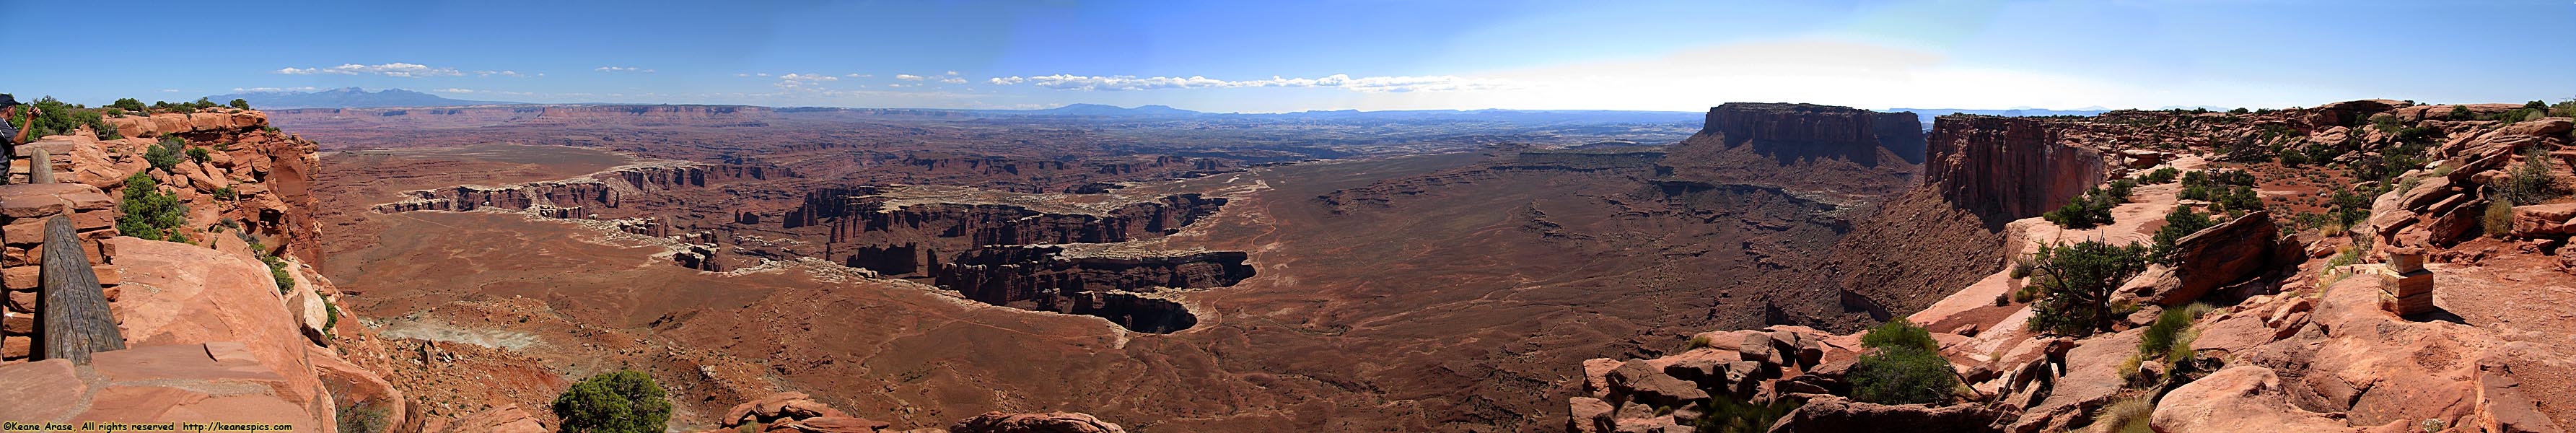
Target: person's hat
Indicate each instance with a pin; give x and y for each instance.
(8, 101)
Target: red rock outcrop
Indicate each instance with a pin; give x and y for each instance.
(2005, 168)
(1051, 422)
(1828, 413)
(1790, 131)
(604, 190)
(1817, 148)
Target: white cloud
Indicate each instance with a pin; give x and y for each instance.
(909, 77)
(397, 69)
(500, 73)
(808, 77)
(1340, 81)
(858, 75)
(953, 80)
(952, 73)
(622, 69)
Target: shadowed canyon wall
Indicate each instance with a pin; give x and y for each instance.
(2004, 168)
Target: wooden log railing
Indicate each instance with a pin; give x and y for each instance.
(76, 320)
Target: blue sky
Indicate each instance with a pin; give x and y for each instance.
(1268, 57)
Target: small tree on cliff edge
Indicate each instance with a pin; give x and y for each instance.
(626, 401)
(2076, 282)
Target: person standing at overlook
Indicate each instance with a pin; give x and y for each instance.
(10, 109)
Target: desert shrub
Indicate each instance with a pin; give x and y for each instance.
(2459, 112)
(2161, 175)
(127, 104)
(2076, 282)
(2534, 182)
(238, 103)
(2239, 110)
(2181, 221)
(2129, 415)
(199, 154)
(2349, 207)
(62, 119)
(2093, 208)
(2120, 189)
(1903, 367)
(226, 193)
(2170, 336)
(1725, 414)
(2238, 200)
(202, 103)
(277, 273)
(2498, 220)
(149, 213)
(1699, 341)
(330, 310)
(625, 401)
(165, 156)
(2565, 108)
(1899, 333)
(362, 418)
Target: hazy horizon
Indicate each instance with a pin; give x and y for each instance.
(1253, 57)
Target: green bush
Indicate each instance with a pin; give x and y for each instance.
(149, 213)
(625, 401)
(2498, 220)
(2076, 282)
(165, 156)
(1899, 333)
(62, 119)
(2534, 182)
(1904, 367)
(2182, 221)
(199, 154)
(2461, 112)
(127, 104)
(2169, 337)
(1725, 414)
(362, 418)
(2161, 175)
(277, 273)
(238, 103)
(2093, 208)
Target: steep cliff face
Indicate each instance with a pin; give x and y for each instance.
(1818, 148)
(1801, 131)
(565, 199)
(2003, 168)
(1047, 279)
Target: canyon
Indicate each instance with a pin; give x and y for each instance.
(1181, 287)
(824, 269)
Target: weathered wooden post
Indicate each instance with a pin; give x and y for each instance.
(76, 319)
(40, 169)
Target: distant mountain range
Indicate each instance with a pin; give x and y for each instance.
(347, 98)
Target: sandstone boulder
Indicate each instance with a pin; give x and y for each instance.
(1590, 415)
(171, 123)
(1639, 382)
(1827, 413)
(183, 294)
(780, 406)
(1051, 422)
(214, 382)
(2544, 220)
(2218, 255)
(2243, 398)
(504, 419)
(830, 424)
